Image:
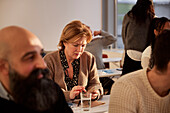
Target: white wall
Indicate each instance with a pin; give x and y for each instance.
(47, 18)
(162, 10)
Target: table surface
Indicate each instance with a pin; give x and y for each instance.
(109, 72)
(98, 109)
(106, 60)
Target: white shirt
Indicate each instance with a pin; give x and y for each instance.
(134, 55)
(4, 94)
(147, 52)
(146, 55)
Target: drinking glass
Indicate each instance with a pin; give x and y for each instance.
(85, 101)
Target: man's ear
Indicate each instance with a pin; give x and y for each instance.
(4, 67)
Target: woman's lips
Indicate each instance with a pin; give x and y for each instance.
(77, 54)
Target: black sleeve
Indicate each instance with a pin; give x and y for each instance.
(62, 105)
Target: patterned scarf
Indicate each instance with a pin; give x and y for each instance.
(76, 66)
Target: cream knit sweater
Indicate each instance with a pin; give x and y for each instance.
(133, 94)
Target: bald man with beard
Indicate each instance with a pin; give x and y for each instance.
(24, 83)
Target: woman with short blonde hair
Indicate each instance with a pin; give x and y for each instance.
(73, 31)
(71, 67)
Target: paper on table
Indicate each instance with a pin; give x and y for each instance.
(109, 71)
(96, 103)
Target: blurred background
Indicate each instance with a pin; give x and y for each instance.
(47, 18)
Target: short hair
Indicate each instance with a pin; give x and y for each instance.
(73, 31)
(161, 52)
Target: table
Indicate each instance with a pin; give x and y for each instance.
(109, 72)
(98, 109)
(107, 60)
(115, 61)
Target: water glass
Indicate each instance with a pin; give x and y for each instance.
(85, 101)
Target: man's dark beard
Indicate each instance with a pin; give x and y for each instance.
(31, 92)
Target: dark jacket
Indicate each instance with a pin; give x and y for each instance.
(61, 106)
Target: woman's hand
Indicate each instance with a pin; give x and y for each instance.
(95, 94)
(76, 90)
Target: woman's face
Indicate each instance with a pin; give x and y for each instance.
(75, 49)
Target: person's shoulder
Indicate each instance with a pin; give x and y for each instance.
(8, 106)
(132, 78)
(51, 54)
(3, 101)
(127, 16)
(96, 39)
(87, 54)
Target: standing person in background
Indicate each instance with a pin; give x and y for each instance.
(146, 90)
(156, 27)
(71, 67)
(96, 48)
(97, 44)
(134, 34)
(24, 83)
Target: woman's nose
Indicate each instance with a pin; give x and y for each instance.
(79, 48)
